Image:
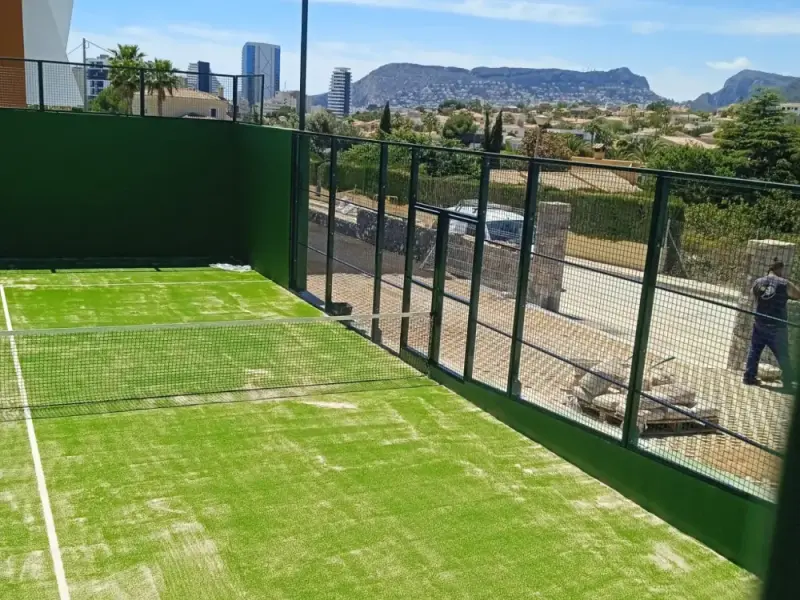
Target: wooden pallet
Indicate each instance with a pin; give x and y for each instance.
(668, 426)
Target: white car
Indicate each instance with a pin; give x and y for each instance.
(502, 225)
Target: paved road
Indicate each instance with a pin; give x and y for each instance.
(693, 330)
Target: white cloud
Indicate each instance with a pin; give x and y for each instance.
(507, 10)
(187, 43)
(764, 25)
(646, 27)
(737, 64)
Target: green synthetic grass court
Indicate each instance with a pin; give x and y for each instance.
(386, 491)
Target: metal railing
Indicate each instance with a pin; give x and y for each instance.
(602, 294)
(140, 91)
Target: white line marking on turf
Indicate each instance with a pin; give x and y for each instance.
(52, 538)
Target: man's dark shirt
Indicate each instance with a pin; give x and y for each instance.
(771, 294)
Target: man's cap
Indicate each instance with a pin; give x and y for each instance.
(776, 265)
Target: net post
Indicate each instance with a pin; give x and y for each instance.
(141, 93)
(526, 247)
(411, 229)
(235, 96)
(376, 288)
(630, 431)
(40, 79)
(437, 296)
(332, 183)
(477, 267)
(261, 110)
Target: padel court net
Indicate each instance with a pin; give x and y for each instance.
(89, 369)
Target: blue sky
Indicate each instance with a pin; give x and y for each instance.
(683, 47)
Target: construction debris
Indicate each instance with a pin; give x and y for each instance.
(665, 408)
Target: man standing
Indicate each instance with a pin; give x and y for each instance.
(770, 329)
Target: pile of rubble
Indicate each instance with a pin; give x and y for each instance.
(599, 389)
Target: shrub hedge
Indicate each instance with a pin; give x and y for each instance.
(616, 217)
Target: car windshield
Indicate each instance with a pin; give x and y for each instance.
(506, 231)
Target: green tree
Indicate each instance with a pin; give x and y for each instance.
(577, 145)
(430, 123)
(459, 126)
(767, 147)
(598, 131)
(542, 144)
(125, 64)
(508, 118)
(642, 149)
(161, 80)
(385, 127)
(475, 105)
(493, 137)
(109, 101)
(448, 107)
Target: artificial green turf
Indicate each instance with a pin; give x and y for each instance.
(394, 493)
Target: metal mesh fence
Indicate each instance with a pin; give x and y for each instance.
(623, 330)
(117, 368)
(133, 90)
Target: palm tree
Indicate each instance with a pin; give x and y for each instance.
(125, 63)
(643, 149)
(578, 146)
(161, 79)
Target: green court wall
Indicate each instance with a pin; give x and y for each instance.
(107, 188)
(737, 526)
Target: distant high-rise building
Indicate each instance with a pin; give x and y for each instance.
(97, 75)
(260, 59)
(200, 78)
(339, 92)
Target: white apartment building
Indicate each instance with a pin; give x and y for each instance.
(339, 94)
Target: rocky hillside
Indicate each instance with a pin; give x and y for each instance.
(408, 85)
(743, 85)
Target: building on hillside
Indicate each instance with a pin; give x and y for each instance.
(97, 75)
(339, 94)
(37, 31)
(201, 79)
(186, 103)
(260, 59)
(791, 107)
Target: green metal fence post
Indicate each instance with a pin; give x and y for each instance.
(477, 267)
(261, 110)
(630, 431)
(303, 143)
(142, 87)
(294, 218)
(379, 234)
(235, 97)
(332, 183)
(411, 229)
(523, 271)
(437, 295)
(40, 75)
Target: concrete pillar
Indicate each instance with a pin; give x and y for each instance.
(760, 254)
(547, 276)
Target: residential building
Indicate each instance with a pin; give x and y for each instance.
(186, 103)
(201, 79)
(339, 93)
(38, 31)
(260, 59)
(97, 75)
(791, 107)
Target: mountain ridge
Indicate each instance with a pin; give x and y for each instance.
(410, 84)
(743, 85)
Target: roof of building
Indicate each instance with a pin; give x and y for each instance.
(190, 93)
(680, 140)
(576, 178)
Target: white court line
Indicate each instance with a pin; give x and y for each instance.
(52, 538)
(126, 284)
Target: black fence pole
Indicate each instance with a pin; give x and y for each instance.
(383, 171)
(437, 296)
(514, 386)
(411, 230)
(630, 431)
(332, 184)
(141, 93)
(40, 75)
(261, 111)
(477, 267)
(235, 97)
